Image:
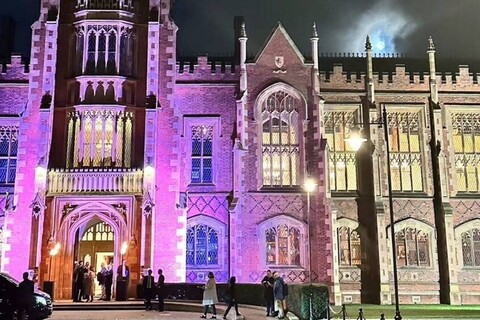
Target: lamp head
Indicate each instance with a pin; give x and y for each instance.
(310, 185)
(355, 139)
(124, 248)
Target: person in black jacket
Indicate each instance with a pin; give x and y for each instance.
(25, 296)
(149, 289)
(161, 290)
(108, 282)
(267, 283)
(231, 297)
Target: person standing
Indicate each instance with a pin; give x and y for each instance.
(161, 290)
(101, 280)
(89, 285)
(78, 278)
(278, 294)
(231, 297)
(123, 276)
(210, 296)
(108, 283)
(24, 296)
(149, 289)
(267, 283)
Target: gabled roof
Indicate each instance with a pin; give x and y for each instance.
(279, 27)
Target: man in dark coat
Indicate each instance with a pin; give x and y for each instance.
(267, 283)
(161, 290)
(149, 289)
(25, 296)
(108, 282)
(78, 278)
(123, 276)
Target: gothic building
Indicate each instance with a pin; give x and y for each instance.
(112, 147)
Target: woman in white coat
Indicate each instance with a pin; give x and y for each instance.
(210, 296)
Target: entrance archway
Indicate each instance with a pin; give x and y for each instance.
(75, 228)
(95, 245)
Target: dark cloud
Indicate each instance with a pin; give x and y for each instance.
(206, 26)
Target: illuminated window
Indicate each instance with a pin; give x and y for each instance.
(342, 158)
(282, 245)
(349, 246)
(413, 247)
(466, 147)
(8, 154)
(202, 246)
(280, 140)
(405, 151)
(471, 248)
(202, 153)
(99, 232)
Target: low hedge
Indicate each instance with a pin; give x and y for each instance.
(299, 300)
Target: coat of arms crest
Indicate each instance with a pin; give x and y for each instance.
(279, 61)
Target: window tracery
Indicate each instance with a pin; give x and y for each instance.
(202, 246)
(280, 140)
(202, 154)
(283, 245)
(413, 247)
(349, 246)
(8, 154)
(471, 248)
(405, 151)
(342, 158)
(466, 148)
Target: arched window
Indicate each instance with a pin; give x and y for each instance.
(280, 140)
(112, 51)
(413, 247)
(283, 245)
(471, 248)
(202, 154)
(79, 53)
(202, 246)
(349, 246)
(8, 155)
(102, 48)
(92, 44)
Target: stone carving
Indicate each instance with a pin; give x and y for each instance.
(147, 204)
(38, 205)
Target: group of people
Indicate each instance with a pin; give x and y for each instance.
(210, 297)
(84, 282)
(152, 289)
(275, 295)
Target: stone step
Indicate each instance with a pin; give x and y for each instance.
(126, 305)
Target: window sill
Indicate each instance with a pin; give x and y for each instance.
(466, 195)
(409, 194)
(284, 267)
(202, 267)
(293, 189)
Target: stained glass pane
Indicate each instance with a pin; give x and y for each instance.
(423, 249)
(270, 236)
(12, 170)
(4, 147)
(294, 242)
(207, 170)
(207, 147)
(344, 245)
(3, 170)
(201, 245)
(212, 247)
(196, 147)
(401, 249)
(355, 248)
(190, 247)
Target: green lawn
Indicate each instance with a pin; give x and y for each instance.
(417, 311)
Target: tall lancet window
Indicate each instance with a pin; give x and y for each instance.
(79, 53)
(102, 48)
(8, 154)
(280, 140)
(112, 53)
(342, 158)
(202, 154)
(126, 52)
(91, 51)
(405, 151)
(466, 147)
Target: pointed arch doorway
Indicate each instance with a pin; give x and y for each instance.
(95, 245)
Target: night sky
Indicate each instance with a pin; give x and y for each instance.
(400, 26)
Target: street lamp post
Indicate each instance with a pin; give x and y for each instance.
(355, 142)
(309, 186)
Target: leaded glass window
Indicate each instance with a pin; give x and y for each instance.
(466, 147)
(8, 154)
(349, 246)
(471, 248)
(282, 245)
(202, 154)
(413, 247)
(342, 158)
(280, 140)
(405, 151)
(202, 246)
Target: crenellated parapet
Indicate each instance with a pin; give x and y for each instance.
(205, 70)
(15, 71)
(398, 78)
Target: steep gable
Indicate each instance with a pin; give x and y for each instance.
(279, 50)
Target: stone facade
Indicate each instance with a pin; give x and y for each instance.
(199, 165)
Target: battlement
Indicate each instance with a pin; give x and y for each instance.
(206, 70)
(15, 71)
(399, 79)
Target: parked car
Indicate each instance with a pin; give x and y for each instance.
(42, 302)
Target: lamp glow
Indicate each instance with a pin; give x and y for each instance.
(40, 174)
(124, 248)
(54, 251)
(149, 171)
(355, 140)
(309, 185)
